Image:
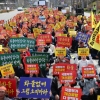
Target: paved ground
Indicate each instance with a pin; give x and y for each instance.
(9, 15)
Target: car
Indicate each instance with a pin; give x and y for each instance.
(20, 9)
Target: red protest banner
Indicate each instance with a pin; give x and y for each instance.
(57, 68)
(31, 68)
(71, 93)
(64, 41)
(31, 36)
(46, 37)
(88, 72)
(41, 42)
(71, 67)
(68, 76)
(10, 84)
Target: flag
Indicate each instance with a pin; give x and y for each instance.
(93, 41)
(93, 21)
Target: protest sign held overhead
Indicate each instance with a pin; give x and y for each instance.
(13, 58)
(83, 51)
(7, 70)
(34, 87)
(10, 84)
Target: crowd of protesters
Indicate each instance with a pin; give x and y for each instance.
(90, 86)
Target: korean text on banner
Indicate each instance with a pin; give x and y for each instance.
(46, 37)
(7, 70)
(57, 68)
(10, 84)
(68, 76)
(12, 58)
(41, 54)
(21, 43)
(60, 51)
(88, 72)
(83, 51)
(92, 41)
(41, 60)
(31, 68)
(63, 41)
(63, 67)
(34, 87)
(71, 93)
(82, 36)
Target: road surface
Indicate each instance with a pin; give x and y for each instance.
(9, 15)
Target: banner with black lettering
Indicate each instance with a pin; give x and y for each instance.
(93, 42)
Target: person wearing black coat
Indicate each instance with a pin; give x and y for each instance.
(99, 58)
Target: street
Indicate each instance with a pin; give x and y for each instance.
(9, 15)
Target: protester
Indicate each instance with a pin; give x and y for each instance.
(29, 42)
(3, 91)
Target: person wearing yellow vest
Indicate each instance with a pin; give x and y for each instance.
(94, 9)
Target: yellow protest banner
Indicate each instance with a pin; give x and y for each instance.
(60, 52)
(12, 23)
(83, 51)
(7, 70)
(93, 39)
(8, 28)
(72, 33)
(98, 97)
(36, 32)
(0, 47)
(71, 29)
(63, 35)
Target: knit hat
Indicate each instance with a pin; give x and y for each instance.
(3, 88)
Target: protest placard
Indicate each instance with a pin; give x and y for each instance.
(12, 58)
(40, 42)
(41, 60)
(83, 51)
(7, 70)
(41, 54)
(10, 84)
(71, 67)
(68, 76)
(34, 87)
(82, 37)
(63, 41)
(46, 37)
(0, 47)
(21, 43)
(73, 33)
(88, 72)
(98, 97)
(31, 68)
(60, 52)
(71, 93)
(57, 68)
